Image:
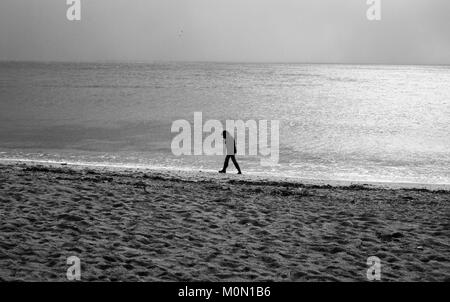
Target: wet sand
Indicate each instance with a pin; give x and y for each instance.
(133, 225)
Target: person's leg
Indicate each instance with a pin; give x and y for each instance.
(233, 158)
(225, 164)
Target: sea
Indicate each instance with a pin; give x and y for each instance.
(375, 123)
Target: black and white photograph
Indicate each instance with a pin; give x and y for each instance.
(224, 141)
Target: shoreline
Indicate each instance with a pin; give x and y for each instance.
(205, 175)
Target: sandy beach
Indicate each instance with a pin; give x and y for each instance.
(131, 225)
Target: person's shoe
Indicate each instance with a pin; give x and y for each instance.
(239, 172)
(222, 171)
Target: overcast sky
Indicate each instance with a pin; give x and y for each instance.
(330, 31)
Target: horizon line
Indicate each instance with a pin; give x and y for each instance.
(218, 62)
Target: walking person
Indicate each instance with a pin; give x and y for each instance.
(230, 145)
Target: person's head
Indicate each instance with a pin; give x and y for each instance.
(224, 134)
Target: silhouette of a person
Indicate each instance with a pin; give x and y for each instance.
(230, 145)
